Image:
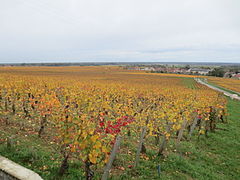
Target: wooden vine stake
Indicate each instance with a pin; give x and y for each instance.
(144, 130)
(64, 165)
(10, 142)
(194, 124)
(164, 141)
(42, 125)
(112, 157)
(180, 134)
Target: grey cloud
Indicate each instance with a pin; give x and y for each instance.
(114, 30)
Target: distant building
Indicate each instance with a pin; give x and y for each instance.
(236, 76)
(174, 70)
(147, 69)
(199, 71)
(160, 69)
(229, 74)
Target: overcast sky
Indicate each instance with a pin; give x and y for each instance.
(119, 30)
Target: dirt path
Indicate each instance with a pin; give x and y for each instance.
(231, 95)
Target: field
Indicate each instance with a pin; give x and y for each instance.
(68, 122)
(227, 83)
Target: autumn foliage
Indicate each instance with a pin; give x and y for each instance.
(83, 109)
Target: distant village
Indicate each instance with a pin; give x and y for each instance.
(205, 71)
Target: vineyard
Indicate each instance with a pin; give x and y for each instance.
(231, 84)
(104, 120)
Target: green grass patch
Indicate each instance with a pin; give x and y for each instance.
(189, 82)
